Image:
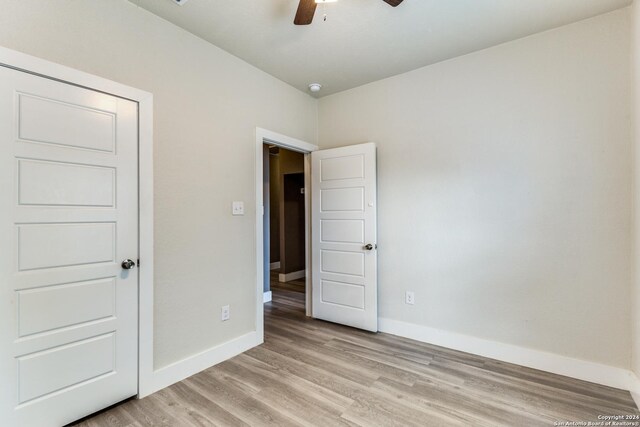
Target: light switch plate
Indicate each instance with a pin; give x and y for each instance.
(237, 208)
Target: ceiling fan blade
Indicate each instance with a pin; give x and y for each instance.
(306, 10)
(393, 3)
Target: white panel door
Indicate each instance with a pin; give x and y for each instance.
(343, 212)
(68, 218)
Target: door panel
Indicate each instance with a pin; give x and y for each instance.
(57, 369)
(342, 200)
(75, 244)
(343, 223)
(68, 217)
(342, 231)
(68, 123)
(342, 262)
(53, 307)
(335, 168)
(346, 294)
(65, 184)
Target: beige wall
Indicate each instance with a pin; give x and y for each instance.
(207, 105)
(505, 189)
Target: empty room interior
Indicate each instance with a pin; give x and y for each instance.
(319, 213)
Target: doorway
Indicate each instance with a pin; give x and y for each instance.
(265, 141)
(284, 224)
(340, 247)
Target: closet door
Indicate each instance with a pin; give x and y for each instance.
(68, 220)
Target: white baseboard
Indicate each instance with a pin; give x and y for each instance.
(634, 388)
(291, 276)
(576, 368)
(275, 265)
(266, 297)
(550, 362)
(636, 398)
(184, 368)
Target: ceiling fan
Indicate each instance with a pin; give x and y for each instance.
(307, 8)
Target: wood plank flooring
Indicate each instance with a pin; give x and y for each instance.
(314, 373)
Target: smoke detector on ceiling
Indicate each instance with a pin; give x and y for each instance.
(315, 87)
(180, 2)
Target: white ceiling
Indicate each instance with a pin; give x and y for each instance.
(365, 40)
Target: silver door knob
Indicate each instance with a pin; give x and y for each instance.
(369, 247)
(128, 264)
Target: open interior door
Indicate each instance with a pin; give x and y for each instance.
(343, 241)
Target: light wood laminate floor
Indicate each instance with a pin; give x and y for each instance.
(314, 373)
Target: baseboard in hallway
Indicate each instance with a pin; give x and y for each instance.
(294, 275)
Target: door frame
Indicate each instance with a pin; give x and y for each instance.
(264, 136)
(32, 65)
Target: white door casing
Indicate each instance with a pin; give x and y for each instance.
(343, 187)
(68, 217)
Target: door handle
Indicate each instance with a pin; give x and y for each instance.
(370, 247)
(128, 264)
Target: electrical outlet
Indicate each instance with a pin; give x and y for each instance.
(409, 298)
(237, 208)
(225, 314)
